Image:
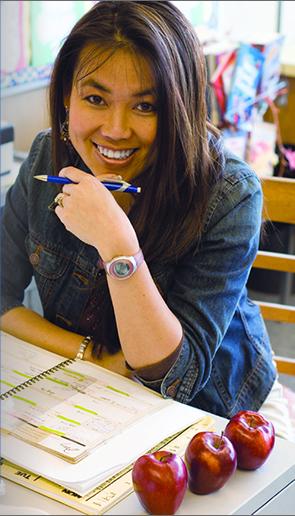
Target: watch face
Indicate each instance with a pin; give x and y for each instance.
(122, 268)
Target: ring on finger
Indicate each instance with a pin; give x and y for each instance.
(59, 199)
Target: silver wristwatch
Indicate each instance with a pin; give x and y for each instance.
(122, 267)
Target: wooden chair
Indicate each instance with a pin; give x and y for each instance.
(278, 206)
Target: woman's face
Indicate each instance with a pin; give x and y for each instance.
(113, 116)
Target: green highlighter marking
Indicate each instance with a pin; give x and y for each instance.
(74, 373)
(26, 400)
(86, 410)
(50, 430)
(7, 383)
(117, 390)
(60, 382)
(21, 374)
(69, 420)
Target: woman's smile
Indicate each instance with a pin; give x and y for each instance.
(114, 156)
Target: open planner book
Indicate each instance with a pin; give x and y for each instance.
(59, 405)
(75, 422)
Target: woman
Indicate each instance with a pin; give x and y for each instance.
(127, 100)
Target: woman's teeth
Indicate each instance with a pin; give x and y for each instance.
(118, 154)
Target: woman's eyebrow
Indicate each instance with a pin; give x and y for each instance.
(98, 86)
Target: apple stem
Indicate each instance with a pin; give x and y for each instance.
(163, 459)
(220, 440)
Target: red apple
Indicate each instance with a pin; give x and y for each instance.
(160, 481)
(211, 460)
(252, 436)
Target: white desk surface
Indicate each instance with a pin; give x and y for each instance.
(268, 490)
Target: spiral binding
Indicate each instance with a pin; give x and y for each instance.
(37, 378)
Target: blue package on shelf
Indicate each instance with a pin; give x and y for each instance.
(244, 87)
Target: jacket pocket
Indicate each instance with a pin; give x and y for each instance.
(49, 264)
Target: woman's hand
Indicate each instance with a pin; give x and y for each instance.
(92, 214)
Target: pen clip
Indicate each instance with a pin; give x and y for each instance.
(117, 181)
(124, 184)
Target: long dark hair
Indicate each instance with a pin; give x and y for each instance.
(169, 214)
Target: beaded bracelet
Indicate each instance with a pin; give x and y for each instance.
(83, 346)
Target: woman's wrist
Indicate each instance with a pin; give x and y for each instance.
(124, 250)
(123, 245)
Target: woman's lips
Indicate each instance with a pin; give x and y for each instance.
(118, 156)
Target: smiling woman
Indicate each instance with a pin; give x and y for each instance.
(158, 277)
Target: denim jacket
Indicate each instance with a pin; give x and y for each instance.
(225, 362)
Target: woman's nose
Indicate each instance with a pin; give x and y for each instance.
(116, 125)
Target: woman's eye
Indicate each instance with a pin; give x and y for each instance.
(95, 99)
(146, 107)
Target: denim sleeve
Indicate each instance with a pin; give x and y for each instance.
(208, 284)
(16, 270)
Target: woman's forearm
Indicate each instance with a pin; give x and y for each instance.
(148, 330)
(32, 327)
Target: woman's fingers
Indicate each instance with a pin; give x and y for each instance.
(76, 175)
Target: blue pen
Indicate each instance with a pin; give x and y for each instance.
(119, 186)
